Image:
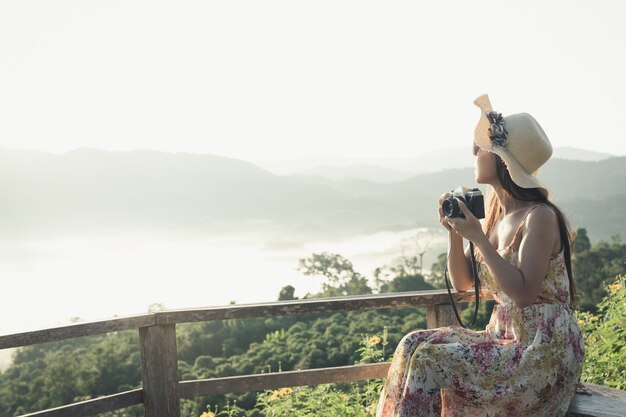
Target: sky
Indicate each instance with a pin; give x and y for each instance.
(266, 80)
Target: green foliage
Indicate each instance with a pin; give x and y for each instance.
(341, 277)
(403, 275)
(357, 399)
(287, 293)
(321, 400)
(287, 343)
(69, 371)
(229, 410)
(605, 338)
(581, 242)
(594, 266)
(403, 283)
(437, 271)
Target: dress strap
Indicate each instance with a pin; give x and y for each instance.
(519, 228)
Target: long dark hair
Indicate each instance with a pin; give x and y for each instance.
(494, 211)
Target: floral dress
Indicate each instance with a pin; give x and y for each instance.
(527, 361)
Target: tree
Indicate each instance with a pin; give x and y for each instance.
(436, 277)
(287, 293)
(605, 352)
(407, 283)
(156, 307)
(341, 278)
(422, 248)
(594, 267)
(581, 242)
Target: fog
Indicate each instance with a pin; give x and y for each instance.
(47, 282)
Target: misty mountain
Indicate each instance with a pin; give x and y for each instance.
(427, 162)
(363, 172)
(397, 169)
(90, 190)
(567, 152)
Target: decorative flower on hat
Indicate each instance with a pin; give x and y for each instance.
(497, 131)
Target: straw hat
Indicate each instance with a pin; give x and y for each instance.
(518, 139)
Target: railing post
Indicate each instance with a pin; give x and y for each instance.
(440, 315)
(159, 370)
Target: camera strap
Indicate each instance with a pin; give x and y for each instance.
(476, 287)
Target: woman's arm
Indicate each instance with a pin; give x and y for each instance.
(459, 264)
(523, 283)
(458, 261)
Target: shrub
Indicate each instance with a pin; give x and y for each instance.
(357, 399)
(605, 336)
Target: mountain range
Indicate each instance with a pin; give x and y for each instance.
(90, 190)
(397, 169)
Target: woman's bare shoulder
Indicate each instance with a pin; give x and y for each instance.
(543, 222)
(542, 215)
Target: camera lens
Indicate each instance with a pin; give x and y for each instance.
(450, 207)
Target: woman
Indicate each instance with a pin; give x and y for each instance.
(528, 360)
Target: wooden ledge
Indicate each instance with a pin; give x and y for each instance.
(604, 402)
(317, 305)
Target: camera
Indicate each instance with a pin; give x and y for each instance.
(473, 199)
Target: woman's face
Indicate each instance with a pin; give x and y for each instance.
(485, 166)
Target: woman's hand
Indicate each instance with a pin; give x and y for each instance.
(442, 217)
(469, 227)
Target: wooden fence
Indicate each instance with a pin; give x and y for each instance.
(161, 389)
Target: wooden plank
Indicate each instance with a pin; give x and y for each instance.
(613, 393)
(159, 370)
(94, 406)
(605, 402)
(190, 389)
(76, 330)
(441, 315)
(360, 302)
(318, 305)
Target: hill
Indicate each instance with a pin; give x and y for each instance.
(373, 169)
(92, 190)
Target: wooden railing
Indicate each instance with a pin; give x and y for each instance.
(161, 389)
